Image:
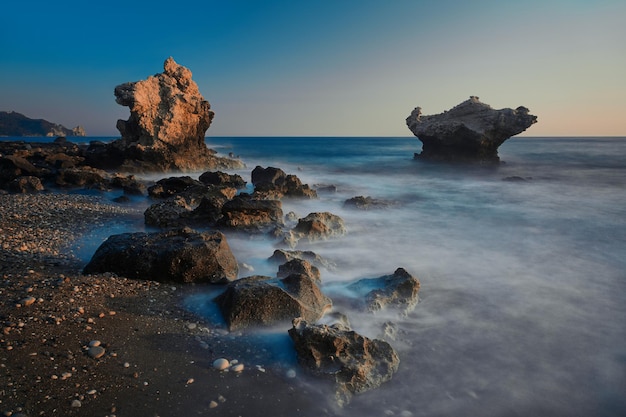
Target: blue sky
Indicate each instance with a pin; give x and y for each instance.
(325, 67)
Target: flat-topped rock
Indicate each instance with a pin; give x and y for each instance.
(470, 131)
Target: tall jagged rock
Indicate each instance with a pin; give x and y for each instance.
(166, 128)
(471, 131)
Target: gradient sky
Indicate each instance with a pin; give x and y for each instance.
(324, 67)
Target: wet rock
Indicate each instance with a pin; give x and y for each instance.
(471, 131)
(367, 203)
(167, 213)
(96, 352)
(222, 179)
(168, 187)
(173, 256)
(354, 362)
(260, 301)
(273, 182)
(281, 256)
(299, 266)
(244, 212)
(399, 289)
(316, 226)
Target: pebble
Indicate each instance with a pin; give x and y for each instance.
(192, 326)
(91, 392)
(28, 301)
(96, 352)
(221, 364)
(94, 343)
(291, 373)
(76, 404)
(237, 368)
(213, 404)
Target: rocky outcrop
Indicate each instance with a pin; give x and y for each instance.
(246, 213)
(274, 183)
(166, 128)
(471, 131)
(299, 266)
(281, 256)
(260, 301)
(16, 124)
(354, 362)
(175, 256)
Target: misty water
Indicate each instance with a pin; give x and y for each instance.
(522, 268)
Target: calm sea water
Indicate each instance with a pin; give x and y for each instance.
(522, 306)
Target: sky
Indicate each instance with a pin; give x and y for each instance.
(324, 67)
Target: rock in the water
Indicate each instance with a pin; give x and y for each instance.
(166, 128)
(280, 256)
(273, 182)
(244, 212)
(299, 266)
(316, 226)
(257, 301)
(26, 184)
(355, 362)
(222, 179)
(471, 131)
(400, 289)
(367, 203)
(174, 256)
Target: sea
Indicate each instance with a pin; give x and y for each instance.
(522, 267)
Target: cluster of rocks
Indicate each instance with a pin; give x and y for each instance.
(471, 131)
(182, 254)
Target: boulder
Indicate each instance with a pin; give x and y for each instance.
(222, 179)
(168, 213)
(281, 256)
(399, 289)
(174, 256)
(273, 182)
(25, 185)
(316, 226)
(260, 301)
(166, 128)
(244, 212)
(84, 177)
(354, 362)
(167, 187)
(367, 203)
(299, 266)
(471, 131)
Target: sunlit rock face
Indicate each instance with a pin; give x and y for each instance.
(471, 131)
(166, 128)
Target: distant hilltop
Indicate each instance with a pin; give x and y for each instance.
(16, 124)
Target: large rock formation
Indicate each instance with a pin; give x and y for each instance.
(165, 131)
(471, 131)
(355, 362)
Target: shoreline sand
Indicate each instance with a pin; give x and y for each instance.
(158, 355)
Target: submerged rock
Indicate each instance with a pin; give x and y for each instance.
(273, 182)
(471, 131)
(316, 226)
(174, 256)
(355, 363)
(244, 212)
(367, 203)
(281, 256)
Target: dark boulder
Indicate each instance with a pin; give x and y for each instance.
(273, 182)
(367, 203)
(174, 256)
(244, 212)
(25, 185)
(222, 179)
(316, 226)
(168, 187)
(281, 256)
(299, 266)
(84, 177)
(469, 132)
(354, 362)
(260, 301)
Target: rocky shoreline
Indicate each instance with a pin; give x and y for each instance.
(157, 357)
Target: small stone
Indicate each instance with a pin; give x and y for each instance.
(213, 404)
(96, 352)
(192, 326)
(190, 381)
(221, 364)
(126, 365)
(291, 373)
(76, 404)
(27, 301)
(91, 392)
(94, 343)
(237, 368)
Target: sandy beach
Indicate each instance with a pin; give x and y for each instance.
(157, 358)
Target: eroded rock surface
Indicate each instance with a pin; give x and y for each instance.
(166, 128)
(471, 131)
(399, 289)
(355, 363)
(274, 183)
